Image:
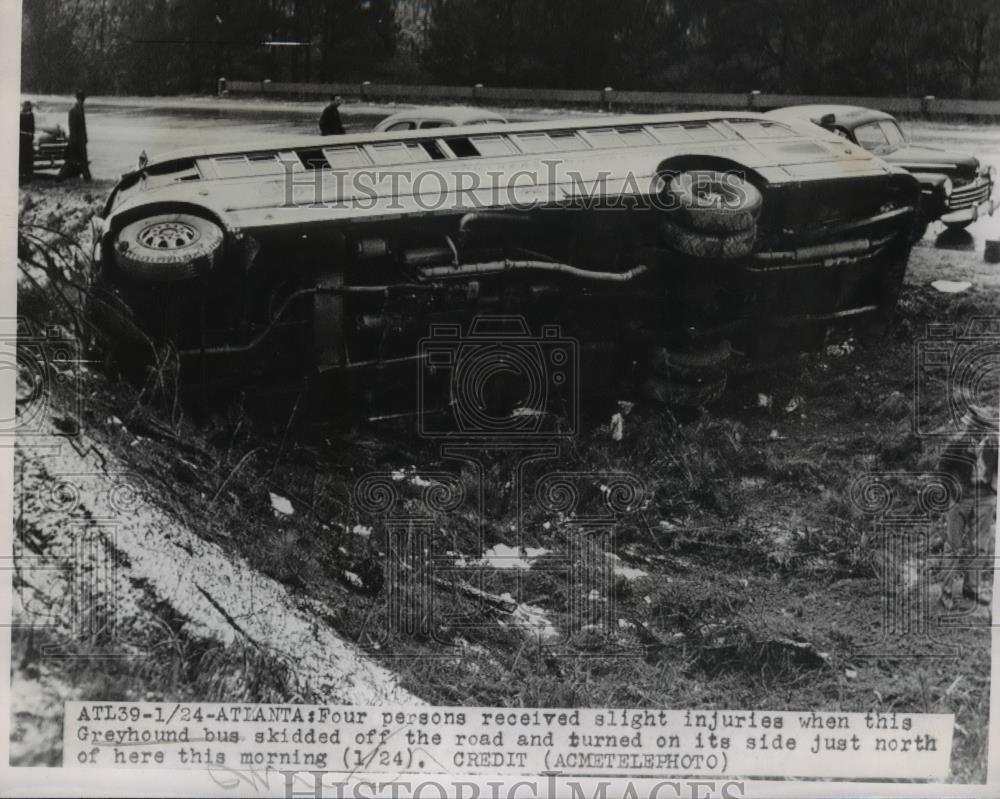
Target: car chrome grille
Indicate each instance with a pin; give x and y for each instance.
(969, 195)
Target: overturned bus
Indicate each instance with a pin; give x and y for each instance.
(663, 242)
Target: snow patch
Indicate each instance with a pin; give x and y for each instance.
(220, 596)
(502, 556)
(354, 580)
(628, 572)
(533, 619)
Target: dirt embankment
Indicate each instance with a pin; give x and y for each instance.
(101, 563)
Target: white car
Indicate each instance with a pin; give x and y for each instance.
(448, 116)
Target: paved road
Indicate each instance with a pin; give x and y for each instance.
(120, 128)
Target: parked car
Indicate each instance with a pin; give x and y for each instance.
(50, 145)
(654, 244)
(957, 189)
(438, 117)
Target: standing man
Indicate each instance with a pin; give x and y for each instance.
(329, 120)
(77, 162)
(26, 152)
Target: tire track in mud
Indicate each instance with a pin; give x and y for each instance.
(87, 518)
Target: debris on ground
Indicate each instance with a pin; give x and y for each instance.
(840, 350)
(280, 505)
(617, 425)
(794, 404)
(951, 286)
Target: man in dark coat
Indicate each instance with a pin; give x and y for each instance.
(329, 120)
(26, 152)
(77, 162)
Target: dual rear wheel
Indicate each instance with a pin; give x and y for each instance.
(712, 215)
(712, 218)
(689, 377)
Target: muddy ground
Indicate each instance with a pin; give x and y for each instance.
(746, 567)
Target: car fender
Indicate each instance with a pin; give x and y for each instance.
(932, 193)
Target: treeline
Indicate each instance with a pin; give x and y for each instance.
(950, 48)
(171, 46)
(869, 47)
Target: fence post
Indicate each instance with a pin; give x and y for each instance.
(925, 104)
(475, 93)
(752, 99)
(364, 89)
(607, 97)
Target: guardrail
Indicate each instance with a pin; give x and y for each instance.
(606, 98)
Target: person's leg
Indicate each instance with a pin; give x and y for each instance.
(26, 156)
(69, 169)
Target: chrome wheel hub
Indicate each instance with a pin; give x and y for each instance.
(168, 235)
